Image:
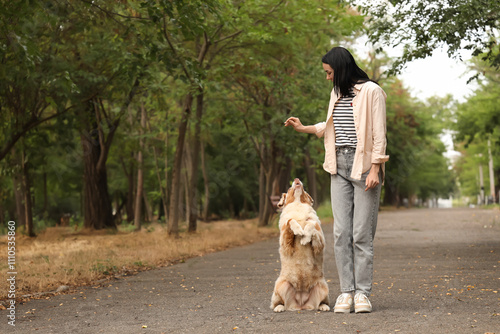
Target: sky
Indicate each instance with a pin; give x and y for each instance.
(438, 75)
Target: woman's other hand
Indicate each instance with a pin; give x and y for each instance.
(372, 180)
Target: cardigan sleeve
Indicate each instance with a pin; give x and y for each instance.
(320, 129)
(379, 127)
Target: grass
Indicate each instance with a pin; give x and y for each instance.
(61, 256)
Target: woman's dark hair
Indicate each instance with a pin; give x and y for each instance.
(346, 72)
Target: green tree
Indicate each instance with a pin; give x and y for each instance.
(473, 158)
(476, 122)
(417, 167)
(479, 116)
(105, 67)
(269, 81)
(423, 26)
(86, 72)
(63, 61)
(32, 91)
(31, 87)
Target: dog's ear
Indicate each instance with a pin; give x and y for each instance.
(312, 201)
(281, 203)
(306, 198)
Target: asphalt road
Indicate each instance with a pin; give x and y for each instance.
(436, 271)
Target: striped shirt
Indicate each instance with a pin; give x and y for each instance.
(343, 121)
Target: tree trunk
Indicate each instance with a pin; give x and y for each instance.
(148, 209)
(138, 193)
(205, 183)
(173, 219)
(165, 204)
(186, 167)
(97, 210)
(268, 208)
(140, 172)
(265, 184)
(45, 196)
(183, 194)
(244, 211)
(311, 178)
(163, 190)
(97, 204)
(129, 208)
(130, 172)
(262, 191)
(391, 194)
(28, 208)
(3, 213)
(120, 202)
(270, 166)
(193, 208)
(284, 177)
(18, 196)
(270, 175)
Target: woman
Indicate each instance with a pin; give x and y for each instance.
(355, 142)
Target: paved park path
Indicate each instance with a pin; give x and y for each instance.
(436, 271)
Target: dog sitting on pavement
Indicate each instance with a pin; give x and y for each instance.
(301, 284)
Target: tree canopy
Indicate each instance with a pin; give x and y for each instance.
(173, 111)
(421, 27)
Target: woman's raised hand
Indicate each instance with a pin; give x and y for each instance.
(295, 123)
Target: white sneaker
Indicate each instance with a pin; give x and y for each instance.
(362, 303)
(344, 303)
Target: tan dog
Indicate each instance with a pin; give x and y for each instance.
(301, 284)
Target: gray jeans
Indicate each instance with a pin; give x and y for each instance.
(355, 213)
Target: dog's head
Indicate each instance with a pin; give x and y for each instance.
(295, 193)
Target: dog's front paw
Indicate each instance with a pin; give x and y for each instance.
(296, 228)
(324, 307)
(280, 308)
(305, 239)
(308, 233)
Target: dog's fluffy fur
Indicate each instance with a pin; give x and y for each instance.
(301, 284)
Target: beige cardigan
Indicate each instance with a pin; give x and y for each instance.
(370, 122)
